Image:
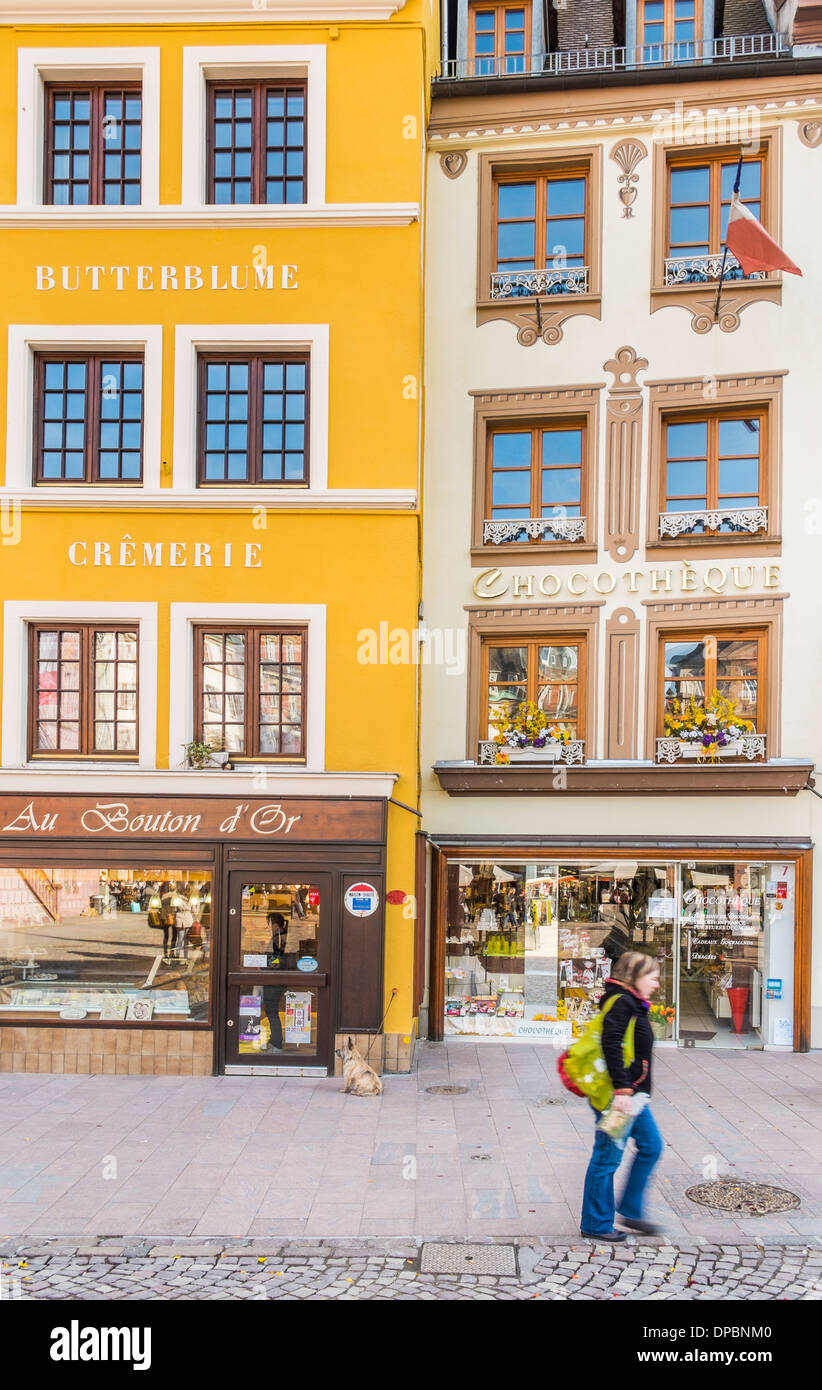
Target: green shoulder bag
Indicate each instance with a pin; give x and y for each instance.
(583, 1069)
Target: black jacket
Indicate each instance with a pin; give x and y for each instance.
(627, 1006)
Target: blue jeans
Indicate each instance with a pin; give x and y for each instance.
(598, 1195)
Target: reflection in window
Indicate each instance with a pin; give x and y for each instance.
(117, 945)
(543, 672)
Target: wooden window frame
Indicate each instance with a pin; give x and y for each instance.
(259, 88)
(252, 633)
(256, 362)
(87, 751)
(514, 624)
(715, 164)
(545, 409)
(533, 641)
(732, 395)
(93, 362)
(97, 94)
(675, 619)
(541, 180)
(713, 418)
(746, 634)
(737, 295)
(499, 8)
(668, 29)
(555, 308)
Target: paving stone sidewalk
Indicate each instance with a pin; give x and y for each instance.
(292, 1158)
(371, 1270)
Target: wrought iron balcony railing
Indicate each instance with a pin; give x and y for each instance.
(561, 528)
(699, 270)
(528, 284)
(726, 49)
(747, 519)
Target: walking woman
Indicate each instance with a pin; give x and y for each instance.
(634, 978)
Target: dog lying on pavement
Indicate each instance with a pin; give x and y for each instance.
(360, 1079)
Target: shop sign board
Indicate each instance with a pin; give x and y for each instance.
(362, 899)
(548, 1030)
(189, 818)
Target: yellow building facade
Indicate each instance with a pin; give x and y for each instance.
(210, 221)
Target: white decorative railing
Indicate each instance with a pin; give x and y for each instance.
(571, 752)
(750, 519)
(726, 49)
(564, 528)
(698, 270)
(747, 746)
(514, 284)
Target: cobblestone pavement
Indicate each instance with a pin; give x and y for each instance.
(186, 1270)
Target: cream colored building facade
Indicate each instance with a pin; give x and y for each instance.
(596, 605)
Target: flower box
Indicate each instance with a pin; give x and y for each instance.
(551, 753)
(747, 746)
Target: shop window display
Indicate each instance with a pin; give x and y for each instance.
(529, 946)
(105, 945)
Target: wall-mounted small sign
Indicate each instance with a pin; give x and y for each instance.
(773, 989)
(396, 896)
(307, 963)
(362, 899)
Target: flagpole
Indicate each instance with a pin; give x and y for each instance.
(737, 182)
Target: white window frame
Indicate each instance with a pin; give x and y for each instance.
(37, 66)
(184, 618)
(17, 616)
(27, 339)
(245, 63)
(193, 339)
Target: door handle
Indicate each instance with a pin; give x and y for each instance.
(229, 1023)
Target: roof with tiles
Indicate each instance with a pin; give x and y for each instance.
(745, 17)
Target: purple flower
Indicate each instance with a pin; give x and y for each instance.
(707, 740)
(540, 741)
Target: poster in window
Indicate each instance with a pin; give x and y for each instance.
(249, 1018)
(297, 1018)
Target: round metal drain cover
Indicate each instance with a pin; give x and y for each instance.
(743, 1198)
(447, 1090)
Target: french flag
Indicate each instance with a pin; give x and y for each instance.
(751, 244)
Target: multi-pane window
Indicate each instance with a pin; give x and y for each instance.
(88, 425)
(535, 472)
(670, 30)
(84, 688)
(257, 142)
(731, 663)
(250, 697)
(93, 145)
(699, 199)
(548, 671)
(499, 38)
(714, 461)
(253, 419)
(540, 222)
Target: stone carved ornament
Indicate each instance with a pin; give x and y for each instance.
(628, 154)
(810, 133)
(453, 163)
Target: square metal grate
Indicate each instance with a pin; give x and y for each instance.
(451, 1258)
